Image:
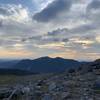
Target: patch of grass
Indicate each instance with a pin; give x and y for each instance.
(14, 79)
(97, 91)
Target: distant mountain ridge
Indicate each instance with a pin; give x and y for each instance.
(47, 64)
(8, 63)
(44, 65)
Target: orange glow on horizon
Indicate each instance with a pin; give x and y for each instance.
(15, 53)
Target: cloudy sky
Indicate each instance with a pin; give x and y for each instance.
(55, 28)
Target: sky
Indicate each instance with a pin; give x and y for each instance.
(56, 28)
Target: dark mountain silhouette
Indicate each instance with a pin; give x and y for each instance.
(8, 63)
(47, 64)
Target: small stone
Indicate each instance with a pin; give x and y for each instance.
(52, 86)
(47, 97)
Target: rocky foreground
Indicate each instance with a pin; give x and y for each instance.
(82, 83)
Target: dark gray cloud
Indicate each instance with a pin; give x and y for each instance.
(93, 12)
(4, 11)
(1, 23)
(52, 10)
(95, 4)
(65, 40)
(57, 32)
(79, 30)
(31, 38)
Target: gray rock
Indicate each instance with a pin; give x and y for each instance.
(52, 86)
(47, 97)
